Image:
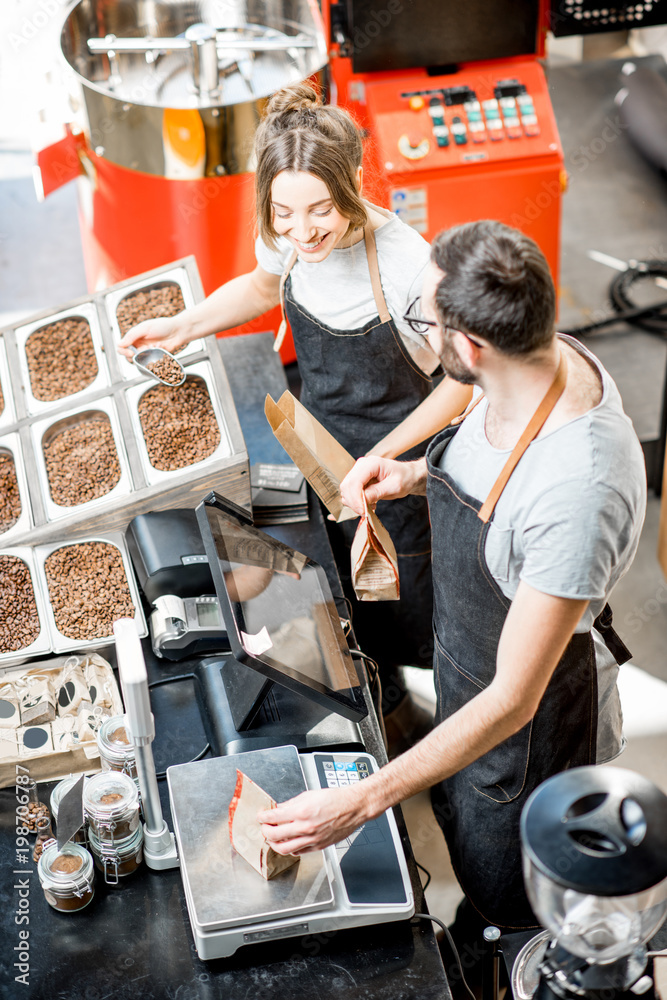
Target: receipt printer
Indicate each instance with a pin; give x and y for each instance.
(168, 554)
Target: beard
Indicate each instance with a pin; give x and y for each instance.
(454, 367)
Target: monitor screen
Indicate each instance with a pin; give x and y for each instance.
(278, 610)
(440, 32)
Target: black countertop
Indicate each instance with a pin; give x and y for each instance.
(134, 942)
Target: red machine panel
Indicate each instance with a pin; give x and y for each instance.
(478, 143)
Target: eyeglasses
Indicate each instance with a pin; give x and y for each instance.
(418, 324)
(415, 321)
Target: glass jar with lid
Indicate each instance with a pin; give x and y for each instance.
(111, 806)
(116, 747)
(57, 796)
(119, 859)
(67, 876)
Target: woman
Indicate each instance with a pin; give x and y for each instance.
(344, 271)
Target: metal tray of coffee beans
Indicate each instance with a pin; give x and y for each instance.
(62, 358)
(167, 296)
(89, 583)
(24, 631)
(7, 412)
(77, 492)
(81, 458)
(178, 428)
(15, 513)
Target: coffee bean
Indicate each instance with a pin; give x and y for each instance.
(167, 369)
(82, 461)
(10, 498)
(19, 619)
(179, 424)
(149, 303)
(95, 568)
(61, 359)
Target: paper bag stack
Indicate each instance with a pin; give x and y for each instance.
(245, 832)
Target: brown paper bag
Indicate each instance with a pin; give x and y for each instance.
(320, 458)
(245, 833)
(374, 562)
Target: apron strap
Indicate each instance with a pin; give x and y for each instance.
(612, 640)
(282, 329)
(468, 410)
(376, 284)
(534, 427)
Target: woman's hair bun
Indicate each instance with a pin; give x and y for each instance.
(297, 97)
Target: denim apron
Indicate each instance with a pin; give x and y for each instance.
(360, 384)
(479, 808)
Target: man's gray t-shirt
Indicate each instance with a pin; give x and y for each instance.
(569, 519)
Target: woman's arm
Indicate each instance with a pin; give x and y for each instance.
(236, 302)
(447, 400)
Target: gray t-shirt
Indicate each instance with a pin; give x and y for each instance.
(337, 291)
(568, 521)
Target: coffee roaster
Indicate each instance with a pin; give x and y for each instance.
(165, 98)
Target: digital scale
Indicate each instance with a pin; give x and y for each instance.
(362, 880)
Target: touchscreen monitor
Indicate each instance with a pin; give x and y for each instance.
(278, 610)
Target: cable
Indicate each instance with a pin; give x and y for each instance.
(374, 673)
(427, 873)
(161, 775)
(436, 920)
(652, 318)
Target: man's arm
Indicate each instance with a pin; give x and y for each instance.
(537, 630)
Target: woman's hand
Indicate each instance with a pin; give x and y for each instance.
(313, 820)
(164, 331)
(381, 479)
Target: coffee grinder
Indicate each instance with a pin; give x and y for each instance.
(594, 843)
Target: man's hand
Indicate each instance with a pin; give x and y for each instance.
(313, 820)
(381, 479)
(164, 331)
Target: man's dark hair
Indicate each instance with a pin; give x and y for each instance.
(496, 284)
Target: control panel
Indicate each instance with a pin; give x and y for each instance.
(467, 118)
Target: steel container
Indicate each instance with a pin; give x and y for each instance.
(43, 432)
(10, 444)
(42, 643)
(200, 370)
(87, 311)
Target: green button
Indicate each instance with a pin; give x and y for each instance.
(442, 140)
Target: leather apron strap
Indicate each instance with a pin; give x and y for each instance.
(282, 329)
(534, 427)
(374, 270)
(376, 285)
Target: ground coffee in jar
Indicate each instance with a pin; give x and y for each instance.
(119, 859)
(111, 806)
(116, 748)
(66, 876)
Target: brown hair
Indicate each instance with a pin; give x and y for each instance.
(298, 133)
(496, 284)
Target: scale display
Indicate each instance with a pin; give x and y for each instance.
(278, 610)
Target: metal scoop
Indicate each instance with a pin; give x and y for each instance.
(145, 357)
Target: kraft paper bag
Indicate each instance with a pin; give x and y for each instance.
(320, 458)
(374, 561)
(245, 833)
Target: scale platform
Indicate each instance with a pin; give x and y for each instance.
(363, 880)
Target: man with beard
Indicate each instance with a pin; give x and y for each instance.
(536, 500)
